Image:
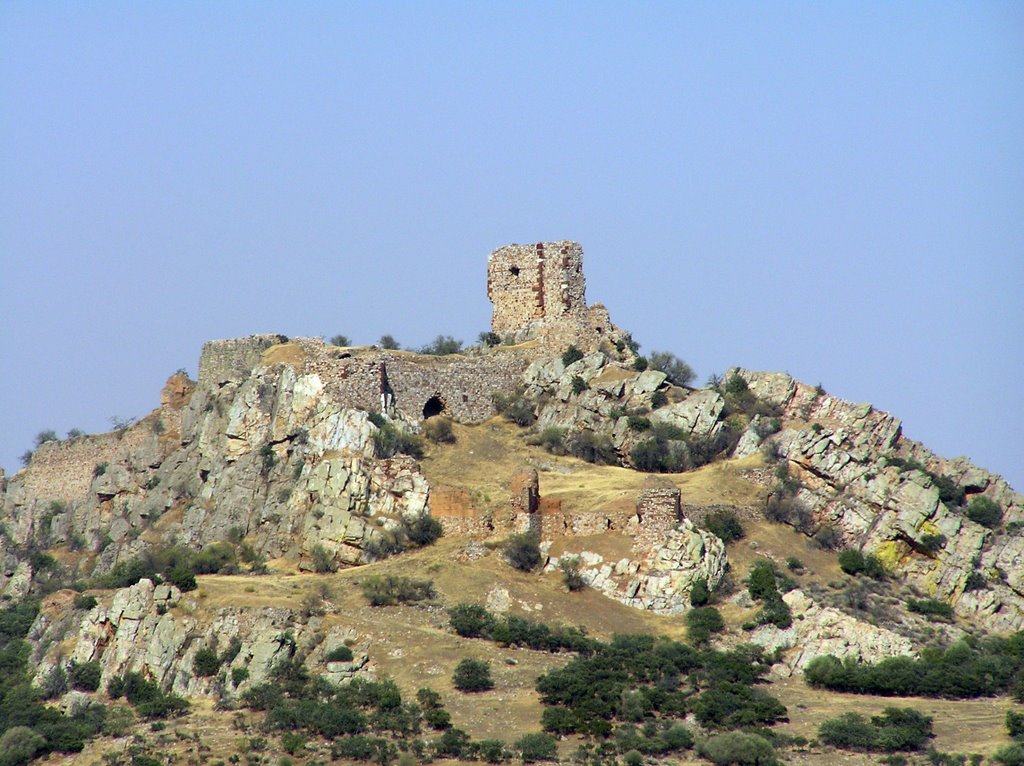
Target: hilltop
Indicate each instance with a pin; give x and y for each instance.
(231, 541)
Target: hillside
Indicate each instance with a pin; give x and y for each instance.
(225, 549)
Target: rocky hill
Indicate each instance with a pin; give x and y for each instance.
(292, 472)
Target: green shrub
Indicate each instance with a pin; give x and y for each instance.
(931, 608)
(513, 407)
(659, 455)
(640, 364)
(340, 653)
(897, 729)
(389, 590)
(471, 620)
(793, 564)
(552, 439)
(738, 748)
(19, 744)
(658, 399)
(701, 622)
(489, 339)
(388, 343)
(439, 430)
(522, 551)
(340, 340)
(725, 524)
(238, 675)
(933, 543)
(442, 345)
(760, 582)
(323, 559)
(83, 601)
(975, 581)
(592, 447)
(699, 593)
(293, 742)
(571, 576)
(853, 562)
(1015, 724)
(538, 746)
(99, 469)
(85, 676)
(390, 440)
(438, 718)
(638, 423)
(472, 676)
(982, 510)
(206, 662)
(182, 578)
(1011, 755)
(570, 355)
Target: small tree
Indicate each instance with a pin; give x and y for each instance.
(699, 593)
(570, 355)
(472, 676)
(340, 340)
(86, 676)
(206, 662)
(523, 551)
(982, 510)
(679, 373)
(538, 746)
(489, 339)
(442, 345)
(388, 342)
(45, 436)
(323, 559)
(570, 566)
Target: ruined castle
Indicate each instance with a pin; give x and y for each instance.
(538, 296)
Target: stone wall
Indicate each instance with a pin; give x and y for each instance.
(232, 360)
(530, 282)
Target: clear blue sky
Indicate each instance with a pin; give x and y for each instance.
(831, 189)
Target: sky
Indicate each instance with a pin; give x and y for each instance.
(834, 190)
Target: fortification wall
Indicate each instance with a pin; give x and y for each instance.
(232, 360)
(527, 283)
(461, 385)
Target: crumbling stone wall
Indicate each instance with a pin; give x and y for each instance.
(527, 283)
(658, 510)
(222, 361)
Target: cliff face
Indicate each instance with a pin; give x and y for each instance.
(272, 459)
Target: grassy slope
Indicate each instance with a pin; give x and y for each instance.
(413, 646)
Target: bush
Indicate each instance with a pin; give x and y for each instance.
(592, 447)
(725, 524)
(640, 364)
(897, 729)
(579, 385)
(658, 399)
(736, 747)
(442, 345)
(470, 620)
(45, 436)
(1011, 755)
(83, 601)
(1015, 724)
(438, 718)
(536, 747)
(571, 577)
(439, 430)
(340, 340)
(18, 745)
(659, 455)
(513, 407)
(206, 662)
(853, 562)
(679, 372)
(182, 578)
(552, 439)
(489, 339)
(238, 675)
(982, 510)
(323, 559)
(472, 676)
(570, 355)
(701, 622)
(699, 593)
(931, 607)
(390, 440)
(793, 564)
(389, 590)
(522, 551)
(85, 676)
(388, 342)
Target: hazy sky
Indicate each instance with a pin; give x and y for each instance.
(831, 189)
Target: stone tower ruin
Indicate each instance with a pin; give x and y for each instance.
(539, 283)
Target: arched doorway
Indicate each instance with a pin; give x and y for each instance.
(434, 406)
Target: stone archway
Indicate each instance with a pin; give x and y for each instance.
(434, 406)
